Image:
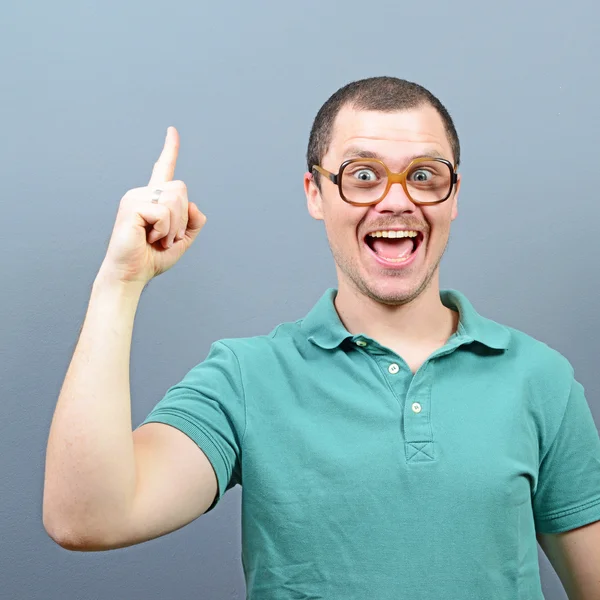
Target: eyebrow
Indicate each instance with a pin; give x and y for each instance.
(357, 152)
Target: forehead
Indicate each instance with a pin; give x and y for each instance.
(393, 135)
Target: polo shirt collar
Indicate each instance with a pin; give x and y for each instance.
(323, 326)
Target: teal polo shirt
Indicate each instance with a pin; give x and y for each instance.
(361, 480)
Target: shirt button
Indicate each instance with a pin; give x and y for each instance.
(393, 368)
(361, 343)
(416, 407)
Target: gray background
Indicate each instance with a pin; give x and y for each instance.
(87, 92)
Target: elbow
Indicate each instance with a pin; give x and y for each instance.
(63, 537)
(74, 541)
(80, 539)
(62, 532)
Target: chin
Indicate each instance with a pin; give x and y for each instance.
(392, 289)
(395, 291)
(393, 295)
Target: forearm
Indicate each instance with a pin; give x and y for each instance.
(90, 467)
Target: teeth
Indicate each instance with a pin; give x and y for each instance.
(394, 234)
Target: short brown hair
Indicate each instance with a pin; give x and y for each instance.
(385, 94)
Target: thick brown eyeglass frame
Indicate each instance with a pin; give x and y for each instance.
(391, 178)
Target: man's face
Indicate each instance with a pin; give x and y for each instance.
(396, 138)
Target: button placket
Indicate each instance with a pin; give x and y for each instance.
(418, 431)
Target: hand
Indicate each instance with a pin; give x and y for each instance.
(148, 238)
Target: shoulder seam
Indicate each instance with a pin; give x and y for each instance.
(564, 411)
(243, 390)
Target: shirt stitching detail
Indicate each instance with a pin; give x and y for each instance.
(243, 393)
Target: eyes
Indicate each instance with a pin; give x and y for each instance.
(420, 175)
(425, 181)
(369, 174)
(365, 175)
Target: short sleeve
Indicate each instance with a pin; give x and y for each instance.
(208, 405)
(568, 490)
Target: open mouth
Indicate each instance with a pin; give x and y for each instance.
(397, 249)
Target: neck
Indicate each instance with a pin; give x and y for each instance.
(421, 322)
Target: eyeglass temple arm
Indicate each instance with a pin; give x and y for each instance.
(331, 176)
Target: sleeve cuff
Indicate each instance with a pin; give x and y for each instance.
(568, 519)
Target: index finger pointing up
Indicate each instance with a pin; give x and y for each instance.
(164, 168)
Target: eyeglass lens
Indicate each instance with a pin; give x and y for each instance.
(366, 181)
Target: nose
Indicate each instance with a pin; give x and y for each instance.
(396, 201)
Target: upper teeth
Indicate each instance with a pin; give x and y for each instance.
(393, 234)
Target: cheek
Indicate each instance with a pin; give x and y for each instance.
(340, 238)
(341, 225)
(439, 227)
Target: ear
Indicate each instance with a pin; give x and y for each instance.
(455, 198)
(313, 197)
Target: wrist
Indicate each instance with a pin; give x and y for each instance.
(106, 280)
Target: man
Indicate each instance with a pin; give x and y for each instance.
(391, 444)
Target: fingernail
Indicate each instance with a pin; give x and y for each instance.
(182, 234)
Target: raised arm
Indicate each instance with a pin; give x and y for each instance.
(106, 486)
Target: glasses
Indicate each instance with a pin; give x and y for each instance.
(363, 182)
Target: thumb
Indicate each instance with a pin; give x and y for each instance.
(196, 220)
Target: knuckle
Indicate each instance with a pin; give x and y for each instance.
(163, 211)
(178, 185)
(164, 225)
(166, 198)
(129, 195)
